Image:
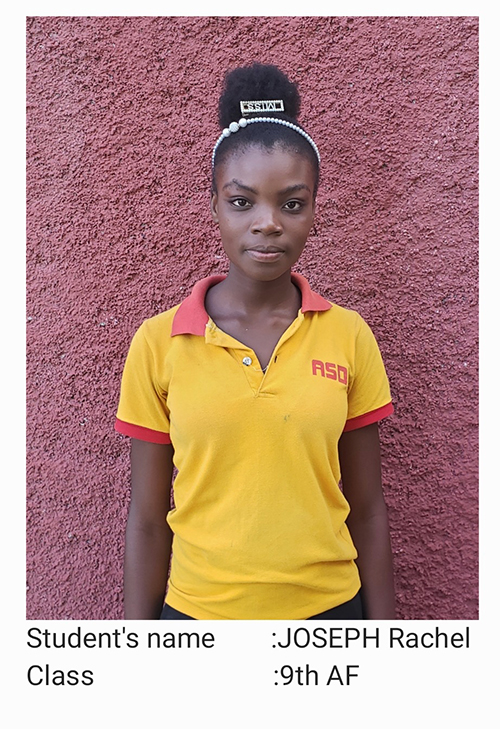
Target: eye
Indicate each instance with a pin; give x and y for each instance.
(240, 202)
(293, 206)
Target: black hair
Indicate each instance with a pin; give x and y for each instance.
(259, 82)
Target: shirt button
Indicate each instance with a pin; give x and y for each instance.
(247, 361)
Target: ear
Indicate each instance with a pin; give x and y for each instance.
(313, 214)
(214, 203)
(312, 229)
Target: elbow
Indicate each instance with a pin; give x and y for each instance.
(147, 524)
(372, 513)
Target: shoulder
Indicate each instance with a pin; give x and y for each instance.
(346, 320)
(154, 336)
(348, 329)
(158, 326)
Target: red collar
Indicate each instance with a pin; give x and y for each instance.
(192, 318)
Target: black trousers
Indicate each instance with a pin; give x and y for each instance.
(350, 610)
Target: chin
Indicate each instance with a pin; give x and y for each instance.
(268, 274)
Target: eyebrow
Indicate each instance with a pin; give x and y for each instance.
(294, 188)
(236, 182)
(285, 191)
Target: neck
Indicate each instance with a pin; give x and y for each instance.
(251, 296)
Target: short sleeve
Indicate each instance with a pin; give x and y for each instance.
(142, 410)
(369, 396)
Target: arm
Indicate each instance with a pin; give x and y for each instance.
(148, 539)
(359, 453)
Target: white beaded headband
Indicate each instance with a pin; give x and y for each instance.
(248, 107)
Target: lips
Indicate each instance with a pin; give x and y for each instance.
(266, 249)
(269, 254)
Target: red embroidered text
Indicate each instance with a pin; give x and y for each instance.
(330, 370)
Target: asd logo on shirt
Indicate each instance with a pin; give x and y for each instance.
(330, 370)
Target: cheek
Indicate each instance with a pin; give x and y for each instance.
(306, 226)
(227, 232)
(224, 227)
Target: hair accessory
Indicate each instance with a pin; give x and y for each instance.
(251, 107)
(236, 126)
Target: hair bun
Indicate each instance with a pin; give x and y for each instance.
(257, 82)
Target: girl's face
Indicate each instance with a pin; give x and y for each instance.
(264, 206)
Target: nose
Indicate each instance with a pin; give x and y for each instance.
(267, 222)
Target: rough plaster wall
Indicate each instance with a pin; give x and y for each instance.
(121, 123)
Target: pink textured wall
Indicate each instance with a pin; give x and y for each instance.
(121, 123)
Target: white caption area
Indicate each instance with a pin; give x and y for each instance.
(243, 681)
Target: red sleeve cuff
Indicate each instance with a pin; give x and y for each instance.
(368, 418)
(137, 431)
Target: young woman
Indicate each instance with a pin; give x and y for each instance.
(264, 395)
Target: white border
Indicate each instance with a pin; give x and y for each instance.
(231, 687)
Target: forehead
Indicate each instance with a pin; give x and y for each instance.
(257, 165)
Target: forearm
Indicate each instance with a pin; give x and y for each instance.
(371, 538)
(147, 557)
(359, 454)
(148, 539)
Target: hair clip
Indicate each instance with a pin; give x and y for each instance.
(252, 107)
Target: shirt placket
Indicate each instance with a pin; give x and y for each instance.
(245, 356)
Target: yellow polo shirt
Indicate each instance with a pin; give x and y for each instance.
(259, 518)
